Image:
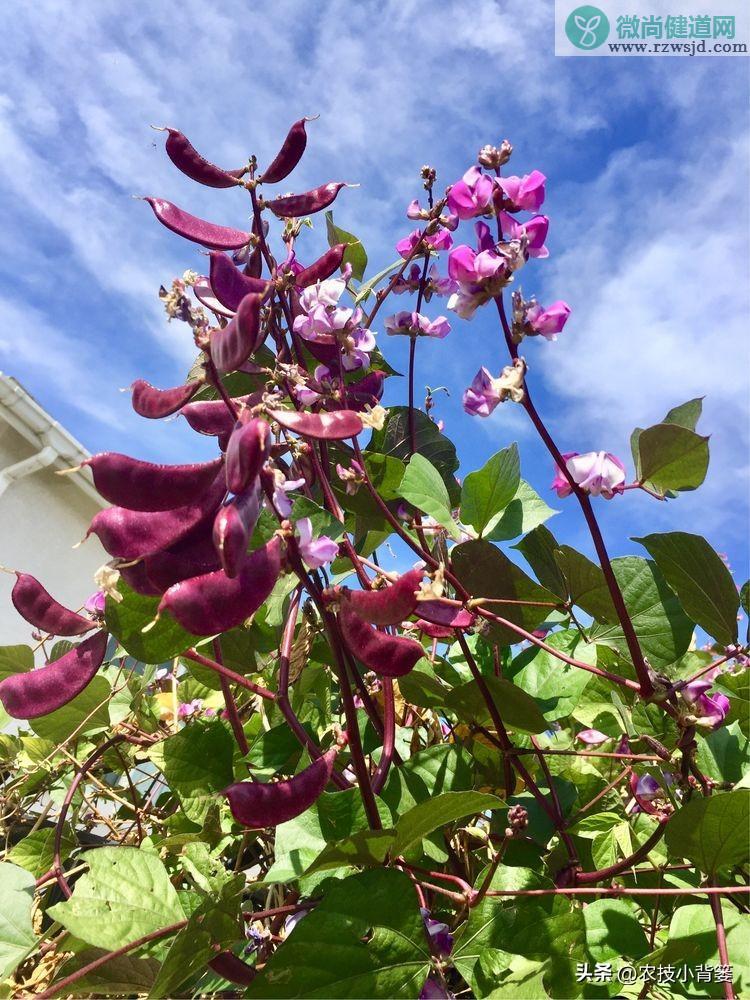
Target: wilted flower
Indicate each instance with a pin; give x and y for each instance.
(599, 473)
(414, 324)
(650, 795)
(523, 193)
(710, 711)
(531, 320)
(315, 552)
(485, 391)
(472, 195)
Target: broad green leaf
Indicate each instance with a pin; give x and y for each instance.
(322, 522)
(487, 572)
(663, 629)
(486, 493)
(125, 894)
(517, 708)
(686, 414)
(613, 931)
(192, 948)
(423, 486)
(421, 687)
(197, 764)
(15, 660)
(394, 440)
(672, 457)
(17, 936)
(361, 849)
(724, 755)
(87, 713)
(737, 687)
(556, 686)
(275, 749)
(127, 619)
(355, 253)
(438, 812)
(587, 586)
(700, 579)
(36, 852)
(712, 832)
(498, 975)
(538, 548)
(525, 512)
(591, 826)
(122, 976)
(364, 939)
(366, 289)
(426, 774)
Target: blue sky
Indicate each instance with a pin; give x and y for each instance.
(647, 161)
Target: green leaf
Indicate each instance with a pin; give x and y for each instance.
(555, 685)
(127, 619)
(17, 936)
(663, 629)
(487, 572)
(425, 774)
(686, 414)
(421, 687)
(525, 512)
(197, 764)
(15, 660)
(355, 253)
(423, 486)
(369, 286)
(36, 852)
(438, 812)
(364, 939)
(587, 586)
(613, 931)
(724, 755)
(394, 440)
(712, 832)
(87, 713)
(517, 708)
(125, 894)
(672, 457)
(124, 975)
(700, 579)
(538, 548)
(486, 493)
(362, 849)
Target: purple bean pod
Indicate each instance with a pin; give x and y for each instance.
(446, 614)
(187, 159)
(292, 206)
(388, 606)
(232, 345)
(214, 603)
(435, 631)
(233, 969)
(387, 655)
(289, 155)
(233, 526)
(257, 804)
(247, 451)
(367, 392)
(136, 577)
(229, 284)
(323, 267)
(204, 293)
(135, 485)
(193, 555)
(154, 403)
(38, 692)
(133, 534)
(190, 227)
(41, 610)
(212, 417)
(334, 426)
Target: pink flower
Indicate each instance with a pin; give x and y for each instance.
(534, 230)
(550, 321)
(435, 285)
(188, 708)
(472, 195)
(649, 794)
(442, 240)
(592, 737)
(486, 392)
(315, 552)
(523, 193)
(95, 604)
(599, 473)
(480, 273)
(710, 710)
(281, 501)
(415, 324)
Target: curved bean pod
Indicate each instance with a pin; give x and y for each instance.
(136, 577)
(207, 605)
(136, 485)
(260, 804)
(41, 610)
(435, 631)
(367, 392)
(333, 426)
(387, 655)
(39, 692)
(248, 449)
(289, 155)
(445, 614)
(190, 227)
(233, 526)
(323, 267)
(133, 534)
(204, 293)
(229, 284)
(212, 417)
(233, 969)
(193, 555)
(232, 345)
(388, 606)
(153, 403)
(291, 206)
(187, 159)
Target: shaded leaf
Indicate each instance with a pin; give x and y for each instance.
(712, 832)
(17, 936)
(355, 252)
(127, 619)
(525, 512)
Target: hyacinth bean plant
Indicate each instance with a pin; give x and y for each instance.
(257, 763)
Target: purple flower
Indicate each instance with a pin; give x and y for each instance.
(315, 552)
(472, 195)
(480, 273)
(189, 708)
(435, 284)
(599, 473)
(281, 501)
(485, 391)
(414, 210)
(710, 710)
(523, 193)
(592, 737)
(95, 604)
(534, 230)
(434, 989)
(438, 934)
(550, 321)
(649, 793)
(414, 324)
(442, 240)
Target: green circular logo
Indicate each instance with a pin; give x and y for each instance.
(587, 27)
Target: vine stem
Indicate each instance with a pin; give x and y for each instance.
(584, 878)
(232, 675)
(599, 890)
(721, 940)
(231, 704)
(631, 639)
